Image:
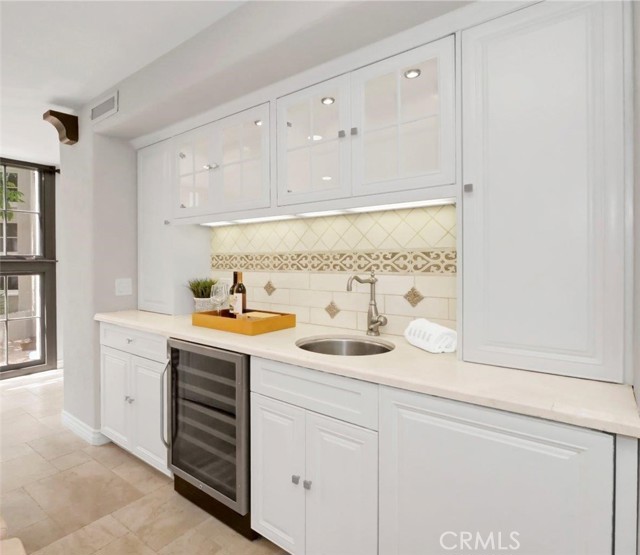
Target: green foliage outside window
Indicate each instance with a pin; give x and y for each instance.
(11, 193)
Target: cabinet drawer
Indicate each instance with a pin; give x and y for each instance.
(142, 344)
(343, 398)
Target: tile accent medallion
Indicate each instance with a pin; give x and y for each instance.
(414, 297)
(332, 309)
(269, 288)
(436, 261)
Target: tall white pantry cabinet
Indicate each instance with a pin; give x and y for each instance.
(544, 190)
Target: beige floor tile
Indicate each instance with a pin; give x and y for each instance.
(21, 471)
(128, 545)
(54, 422)
(197, 541)
(160, 517)
(40, 534)
(82, 494)
(140, 475)
(88, 539)
(19, 510)
(108, 455)
(70, 460)
(8, 452)
(57, 444)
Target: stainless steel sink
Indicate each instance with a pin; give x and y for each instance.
(344, 345)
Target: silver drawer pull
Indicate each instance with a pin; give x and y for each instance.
(342, 133)
(127, 398)
(131, 400)
(295, 479)
(468, 187)
(354, 130)
(129, 340)
(306, 484)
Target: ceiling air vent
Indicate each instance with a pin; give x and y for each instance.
(107, 107)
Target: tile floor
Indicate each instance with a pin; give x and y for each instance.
(61, 496)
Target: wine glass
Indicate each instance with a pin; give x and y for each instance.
(219, 296)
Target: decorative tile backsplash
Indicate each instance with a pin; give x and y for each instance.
(302, 266)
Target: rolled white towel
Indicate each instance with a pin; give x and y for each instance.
(431, 337)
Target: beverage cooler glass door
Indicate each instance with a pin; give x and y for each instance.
(209, 421)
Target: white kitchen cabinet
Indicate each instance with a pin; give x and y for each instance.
(544, 201)
(452, 472)
(168, 255)
(277, 471)
(314, 151)
(387, 127)
(403, 116)
(223, 166)
(133, 396)
(314, 481)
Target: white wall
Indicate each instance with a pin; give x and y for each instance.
(636, 333)
(97, 242)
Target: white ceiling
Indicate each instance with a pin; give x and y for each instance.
(63, 54)
(169, 59)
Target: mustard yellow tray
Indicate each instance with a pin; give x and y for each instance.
(245, 326)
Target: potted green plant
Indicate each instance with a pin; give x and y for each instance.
(201, 290)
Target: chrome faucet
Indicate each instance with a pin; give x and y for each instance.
(374, 320)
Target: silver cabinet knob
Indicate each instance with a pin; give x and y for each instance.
(211, 166)
(342, 133)
(129, 340)
(126, 398)
(468, 187)
(354, 130)
(295, 479)
(167, 222)
(131, 400)
(182, 155)
(306, 484)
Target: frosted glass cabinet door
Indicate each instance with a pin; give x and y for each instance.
(545, 217)
(314, 143)
(193, 161)
(403, 121)
(240, 170)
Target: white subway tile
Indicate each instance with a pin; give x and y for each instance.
(446, 323)
(330, 282)
(355, 301)
(309, 297)
(256, 279)
(279, 296)
(396, 324)
(394, 284)
(344, 318)
(290, 280)
(255, 305)
(430, 307)
(437, 286)
(453, 309)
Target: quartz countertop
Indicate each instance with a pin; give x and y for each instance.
(590, 404)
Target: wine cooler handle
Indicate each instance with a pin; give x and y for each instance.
(162, 403)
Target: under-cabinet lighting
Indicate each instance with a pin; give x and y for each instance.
(217, 224)
(258, 122)
(326, 178)
(402, 205)
(412, 73)
(322, 214)
(328, 100)
(265, 219)
(314, 137)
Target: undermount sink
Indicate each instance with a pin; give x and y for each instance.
(349, 346)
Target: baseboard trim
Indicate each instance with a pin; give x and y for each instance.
(78, 427)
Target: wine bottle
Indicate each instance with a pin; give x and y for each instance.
(232, 294)
(241, 296)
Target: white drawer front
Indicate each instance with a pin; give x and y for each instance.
(142, 344)
(342, 398)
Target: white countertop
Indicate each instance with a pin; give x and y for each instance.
(597, 405)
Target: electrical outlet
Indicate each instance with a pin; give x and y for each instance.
(124, 287)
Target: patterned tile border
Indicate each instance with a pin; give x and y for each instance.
(432, 261)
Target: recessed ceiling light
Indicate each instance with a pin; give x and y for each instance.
(328, 100)
(326, 178)
(314, 137)
(412, 73)
(258, 122)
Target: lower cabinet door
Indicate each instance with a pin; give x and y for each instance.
(342, 488)
(146, 395)
(457, 478)
(114, 387)
(277, 472)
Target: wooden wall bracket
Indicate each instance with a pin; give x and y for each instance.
(66, 124)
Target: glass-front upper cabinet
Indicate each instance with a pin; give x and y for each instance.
(313, 133)
(224, 166)
(403, 115)
(241, 174)
(193, 161)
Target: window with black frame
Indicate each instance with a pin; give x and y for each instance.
(27, 268)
